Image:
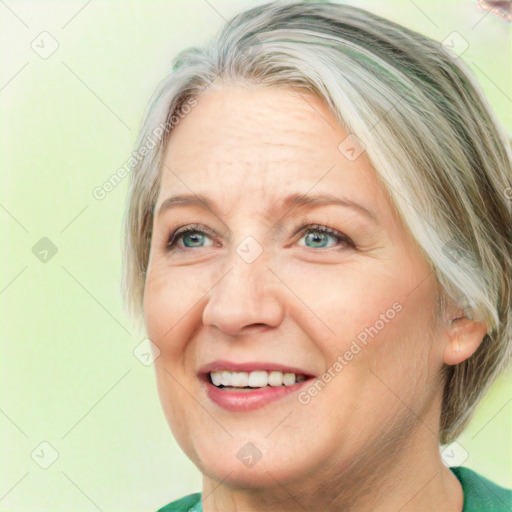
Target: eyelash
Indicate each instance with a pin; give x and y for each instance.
(306, 229)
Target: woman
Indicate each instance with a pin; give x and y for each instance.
(318, 243)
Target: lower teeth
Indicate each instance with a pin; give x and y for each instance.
(232, 388)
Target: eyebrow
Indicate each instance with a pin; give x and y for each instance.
(289, 202)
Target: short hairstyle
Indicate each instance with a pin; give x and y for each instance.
(427, 129)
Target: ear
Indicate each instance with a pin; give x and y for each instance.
(464, 336)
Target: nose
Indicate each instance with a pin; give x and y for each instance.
(246, 298)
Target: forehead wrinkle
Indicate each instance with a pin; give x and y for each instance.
(292, 117)
(246, 152)
(273, 205)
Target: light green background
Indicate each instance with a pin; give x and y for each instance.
(68, 374)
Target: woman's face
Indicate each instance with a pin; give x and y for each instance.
(251, 289)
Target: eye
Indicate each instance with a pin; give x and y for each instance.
(192, 237)
(318, 236)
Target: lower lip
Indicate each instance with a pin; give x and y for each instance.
(243, 401)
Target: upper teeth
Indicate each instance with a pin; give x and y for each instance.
(256, 379)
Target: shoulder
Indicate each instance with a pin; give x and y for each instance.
(190, 503)
(481, 493)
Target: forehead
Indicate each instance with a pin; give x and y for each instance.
(230, 121)
(261, 144)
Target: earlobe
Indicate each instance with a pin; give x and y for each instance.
(464, 336)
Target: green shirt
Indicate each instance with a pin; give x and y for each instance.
(480, 495)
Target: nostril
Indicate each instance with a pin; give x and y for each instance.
(256, 327)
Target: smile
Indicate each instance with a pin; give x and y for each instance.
(256, 379)
(246, 388)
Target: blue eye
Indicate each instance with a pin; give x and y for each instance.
(191, 236)
(194, 236)
(318, 235)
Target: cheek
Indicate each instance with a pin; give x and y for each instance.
(333, 297)
(382, 313)
(171, 298)
(171, 312)
(342, 303)
(402, 349)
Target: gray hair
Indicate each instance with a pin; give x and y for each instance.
(427, 129)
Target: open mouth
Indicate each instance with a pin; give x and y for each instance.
(249, 381)
(243, 387)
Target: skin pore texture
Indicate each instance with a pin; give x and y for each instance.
(368, 441)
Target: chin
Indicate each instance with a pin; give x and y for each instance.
(258, 476)
(239, 463)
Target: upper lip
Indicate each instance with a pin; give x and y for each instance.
(231, 366)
